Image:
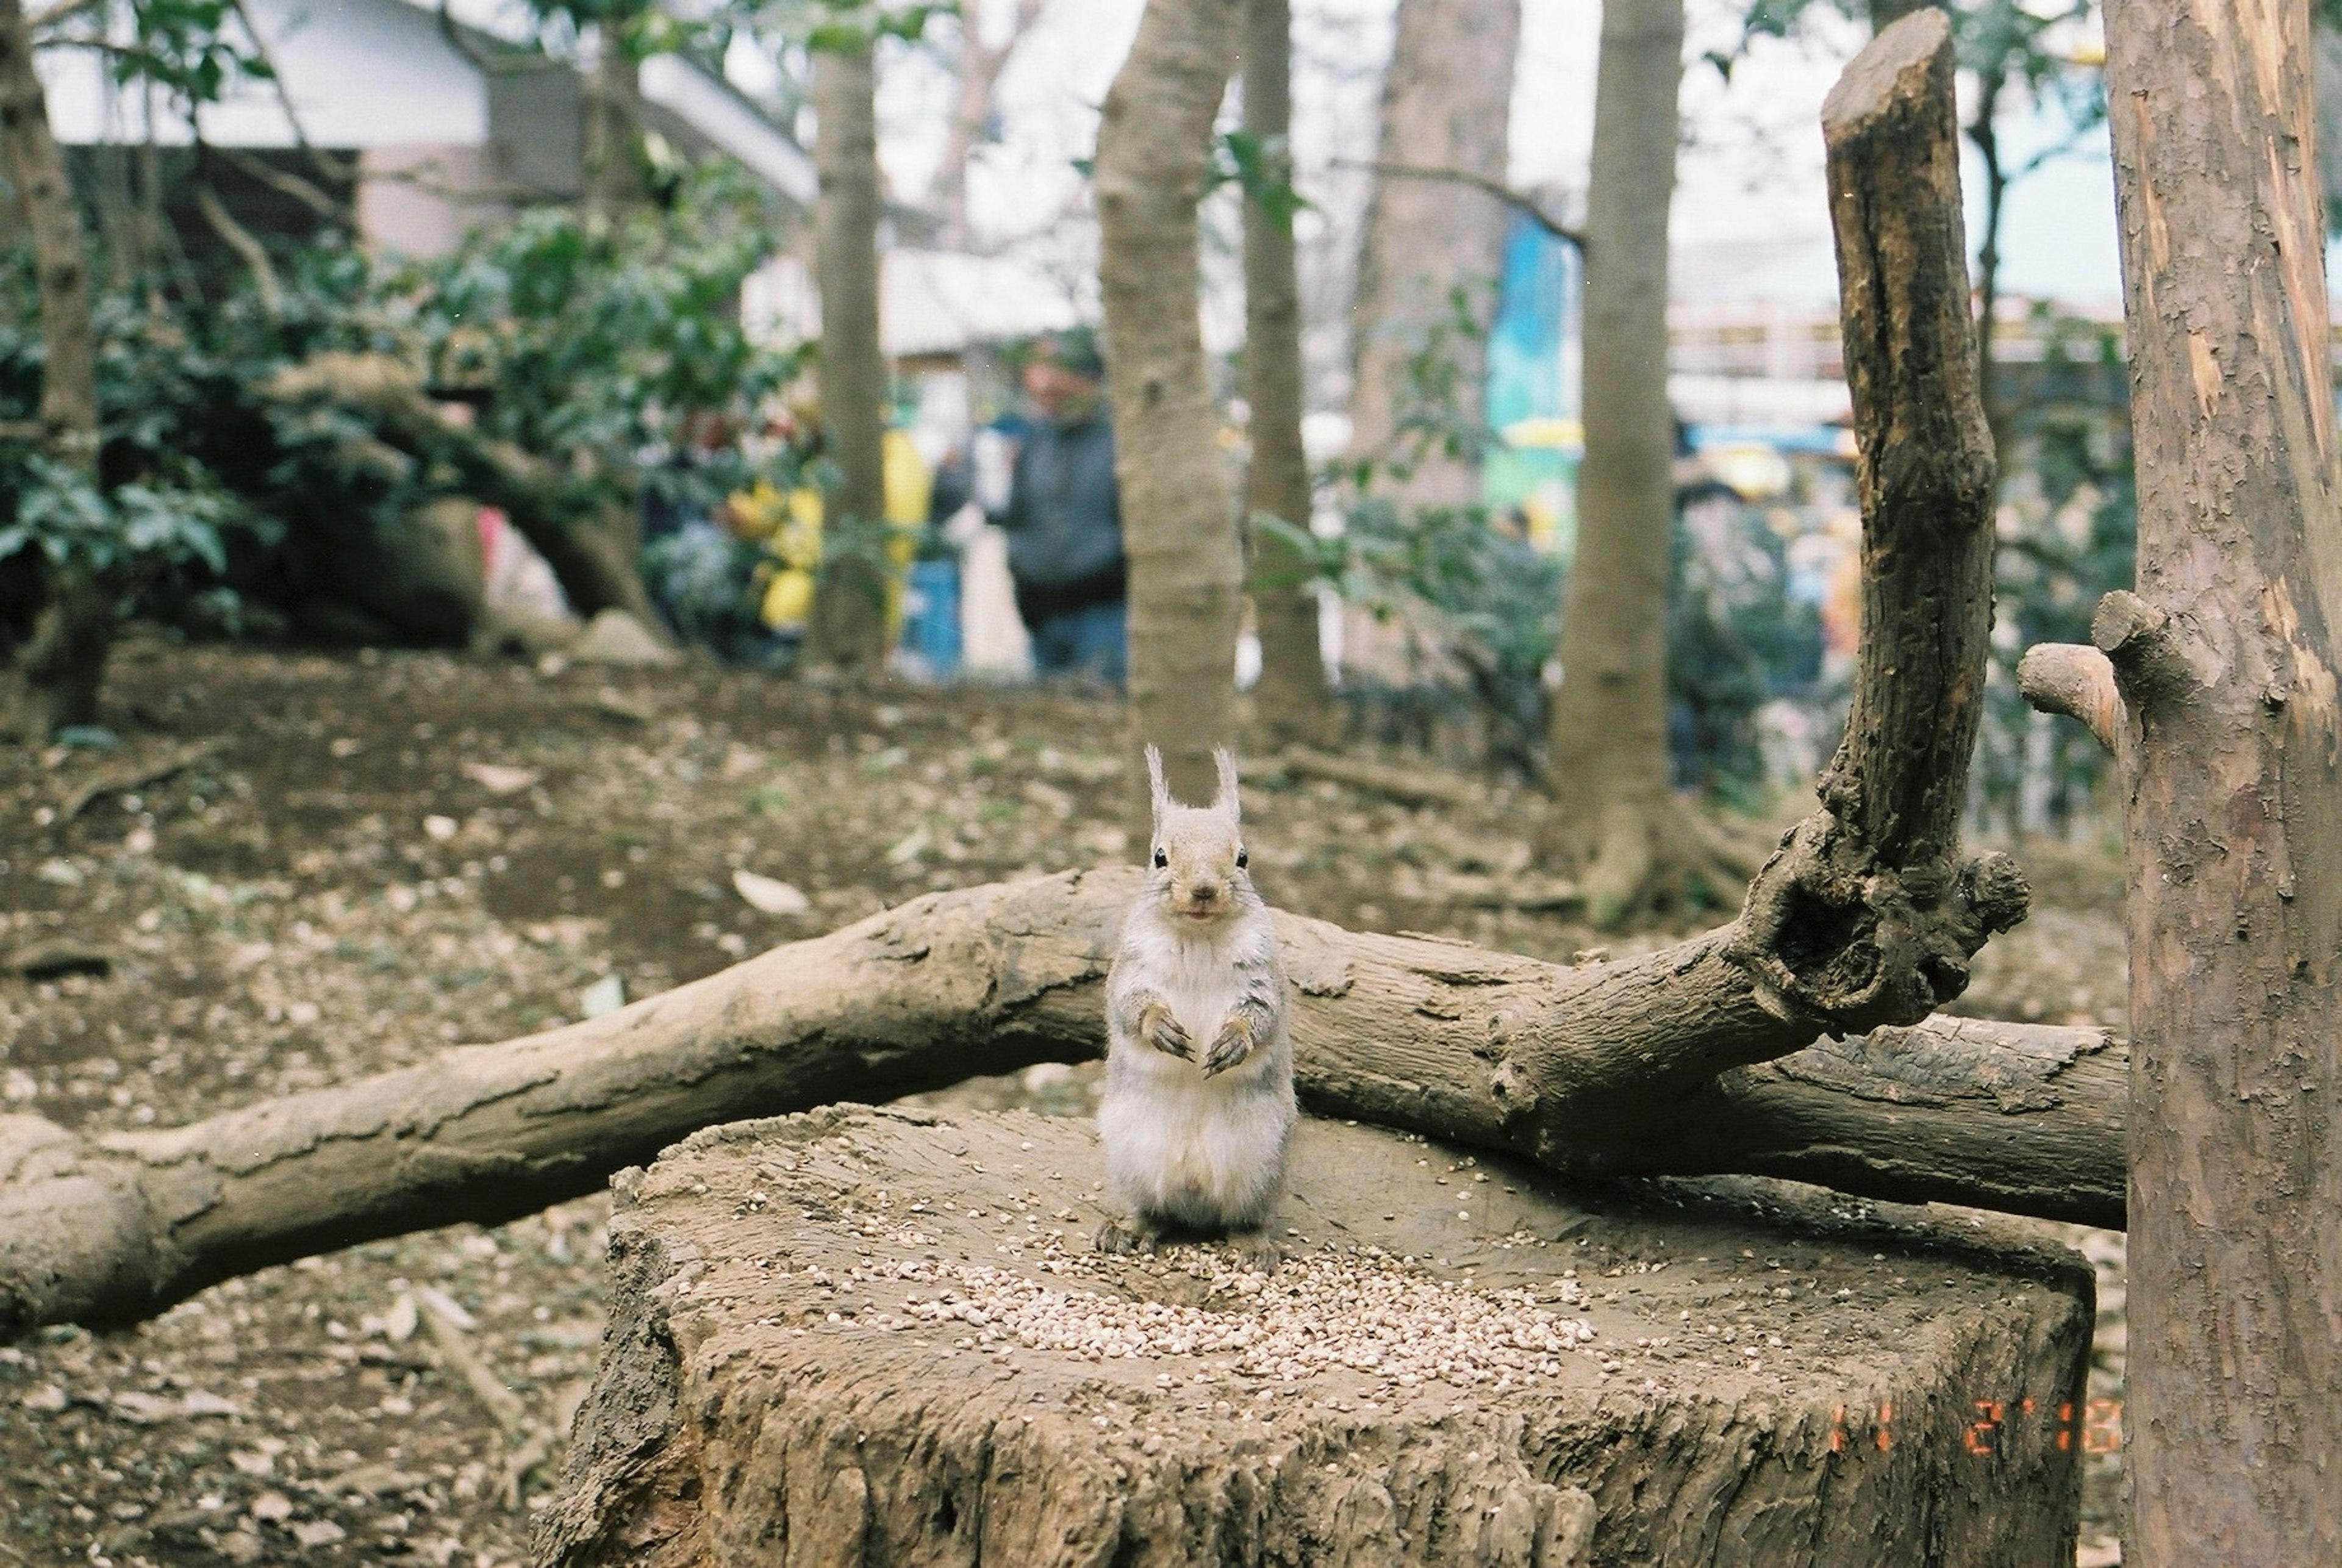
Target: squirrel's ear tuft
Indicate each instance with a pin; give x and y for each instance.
(1225, 800)
(1158, 792)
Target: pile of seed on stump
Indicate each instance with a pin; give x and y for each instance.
(878, 1336)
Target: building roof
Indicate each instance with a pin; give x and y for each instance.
(362, 73)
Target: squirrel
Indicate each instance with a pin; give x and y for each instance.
(1199, 1107)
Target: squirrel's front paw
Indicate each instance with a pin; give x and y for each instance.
(1114, 1237)
(1167, 1033)
(1229, 1047)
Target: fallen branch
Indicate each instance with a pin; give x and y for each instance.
(136, 775)
(584, 547)
(1408, 787)
(1583, 1069)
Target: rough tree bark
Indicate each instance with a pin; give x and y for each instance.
(2226, 662)
(1601, 1070)
(590, 548)
(848, 633)
(978, 69)
(866, 1337)
(1446, 105)
(1606, 754)
(55, 677)
(1187, 567)
(1291, 704)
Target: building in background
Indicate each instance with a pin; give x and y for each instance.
(414, 126)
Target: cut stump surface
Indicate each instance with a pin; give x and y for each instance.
(869, 1336)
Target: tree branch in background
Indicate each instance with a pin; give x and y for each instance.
(240, 240)
(979, 68)
(1521, 202)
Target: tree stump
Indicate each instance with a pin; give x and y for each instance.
(867, 1336)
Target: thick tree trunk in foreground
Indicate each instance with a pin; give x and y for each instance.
(1596, 1070)
(865, 1337)
(2226, 662)
(849, 616)
(1291, 704)
(590, 548)
(55, 677)
(1186, 568)
(1606, 756)
(1446, 105)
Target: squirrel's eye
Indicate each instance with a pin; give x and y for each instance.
(1243, 860)
(1161, 860)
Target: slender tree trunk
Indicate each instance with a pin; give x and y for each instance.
(979, 67)
(57, 672)
(849, 617)
(1291, 703)
(2226, 661)
(1446, 105)
(1607, 751)
(1187, 567)
(1884, 13)
(617, 179)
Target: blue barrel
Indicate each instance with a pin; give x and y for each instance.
(931, 618)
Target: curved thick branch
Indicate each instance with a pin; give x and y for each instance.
(1867, 914)
(1598, 1070)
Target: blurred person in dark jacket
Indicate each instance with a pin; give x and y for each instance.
(1063, 516)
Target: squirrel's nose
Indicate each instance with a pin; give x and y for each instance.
(1205, 892)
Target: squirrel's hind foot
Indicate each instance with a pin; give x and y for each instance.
(1114, 1237)
(1255, 1253)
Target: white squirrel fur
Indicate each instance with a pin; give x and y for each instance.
(1198, 1108)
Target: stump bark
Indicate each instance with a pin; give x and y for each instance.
(864, 1336)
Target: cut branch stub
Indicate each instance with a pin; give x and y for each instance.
(2136, 637)
(1867, 915)
(2076, 681)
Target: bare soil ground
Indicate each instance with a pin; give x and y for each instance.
(380, 854)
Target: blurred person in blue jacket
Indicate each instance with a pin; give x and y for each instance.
(1063, 515)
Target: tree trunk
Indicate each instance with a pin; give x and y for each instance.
(1291, 704)
(871, 1336)
(849, 616)
(1606, 756)
(2225, 661)
(616, 180)
(1446, 105)
(589, 544)
(1187, 567)
(56, 674)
